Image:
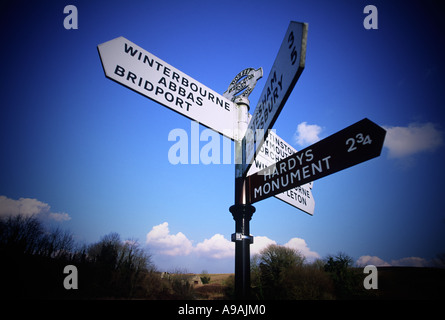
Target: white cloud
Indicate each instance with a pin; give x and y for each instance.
(410, 262)
(59, 216)
(403, 262)
(259, 243)
(216, 247)
(307, 134)
(29, 207)
(406, 141)
(160, 240)
(301, 245)
(371, 260)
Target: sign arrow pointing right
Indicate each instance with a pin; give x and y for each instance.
(357, 143)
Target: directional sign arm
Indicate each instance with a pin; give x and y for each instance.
(285, 72)
(139, 70)
(357, 143)
(273, 150)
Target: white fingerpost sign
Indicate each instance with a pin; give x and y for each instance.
(130, 65)
(286, 70)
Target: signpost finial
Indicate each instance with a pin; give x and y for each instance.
(247, 80)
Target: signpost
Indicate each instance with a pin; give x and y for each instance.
(274, 149)
(287, 174)
(130, 65)
(357, 143)
(286, 70)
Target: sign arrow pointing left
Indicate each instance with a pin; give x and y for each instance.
(139, 70)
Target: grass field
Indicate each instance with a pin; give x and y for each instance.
(216, 289)
(219, 278)
(394, 283)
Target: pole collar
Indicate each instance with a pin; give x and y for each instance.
(240, 237)
(242, 210)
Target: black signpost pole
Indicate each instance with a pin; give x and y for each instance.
(242, 212)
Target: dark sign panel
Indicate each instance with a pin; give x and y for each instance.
(357, 143)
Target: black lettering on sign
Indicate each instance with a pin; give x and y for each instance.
(293, 54)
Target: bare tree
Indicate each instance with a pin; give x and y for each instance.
(21, 234)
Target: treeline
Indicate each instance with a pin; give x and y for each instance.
(281, 273)
(33, 260)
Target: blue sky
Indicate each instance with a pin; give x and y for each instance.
(91, 156)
